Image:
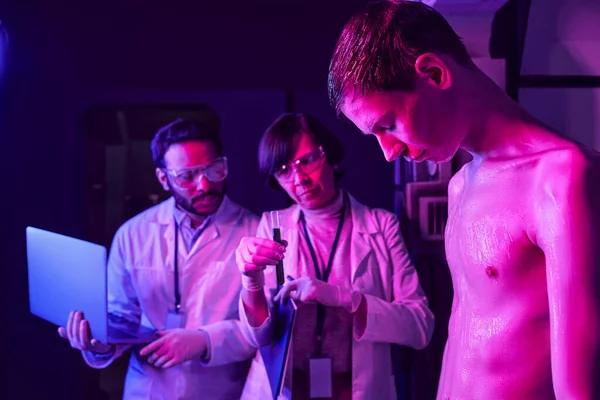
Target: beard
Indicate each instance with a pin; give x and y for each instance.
(201, 205)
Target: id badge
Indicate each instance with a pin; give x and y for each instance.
(175, 320)
(320, 385)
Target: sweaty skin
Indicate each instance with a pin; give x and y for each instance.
(522, 243)
(522, 236)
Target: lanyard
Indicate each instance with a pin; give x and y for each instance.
(327, 271)
(176, 269)
(176, 261)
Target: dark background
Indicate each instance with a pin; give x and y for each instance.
(89, 83)
(249, 60)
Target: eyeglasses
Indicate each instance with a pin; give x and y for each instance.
(305, 164)
(188, 178)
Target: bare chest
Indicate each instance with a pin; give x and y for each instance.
(486, 233)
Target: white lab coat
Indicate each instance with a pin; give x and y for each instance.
(397, 309)
(141, 287)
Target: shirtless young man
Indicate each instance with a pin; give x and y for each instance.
(523, 233)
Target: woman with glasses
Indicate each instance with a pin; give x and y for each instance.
(351, 276)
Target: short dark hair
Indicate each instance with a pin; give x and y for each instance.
(186, 130)
(279, 142)
(379, 45)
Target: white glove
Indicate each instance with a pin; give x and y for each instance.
(252, 257)
(176, 346)
(310, 290)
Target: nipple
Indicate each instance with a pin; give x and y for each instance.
(491, 272)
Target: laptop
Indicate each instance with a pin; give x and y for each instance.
(67, 274)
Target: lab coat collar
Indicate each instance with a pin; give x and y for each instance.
(363, 226)
(360, 214)
(226, 214)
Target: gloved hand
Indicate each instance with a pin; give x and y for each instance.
(307, 290)
(176, 346)
(252, 257)
(79, 335)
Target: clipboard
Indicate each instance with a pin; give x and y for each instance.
(276, 354)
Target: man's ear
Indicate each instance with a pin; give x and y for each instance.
(162, 178)
(434, 69)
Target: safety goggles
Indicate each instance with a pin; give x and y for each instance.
(188, 178)
(305, 165)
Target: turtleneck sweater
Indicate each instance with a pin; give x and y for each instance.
(322, 225)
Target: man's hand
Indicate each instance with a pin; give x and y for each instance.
(176, 346)
(78, 334)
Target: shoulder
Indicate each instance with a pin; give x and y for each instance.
(141, 221)
(566, 194)
(566, 200)
(245, 216)
(249, 218)
(373, 216)
(138, 228)
(552, 160)
(566, 172)
(385, 217)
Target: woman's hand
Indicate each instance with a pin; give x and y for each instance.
(311, 290)
(253, 255)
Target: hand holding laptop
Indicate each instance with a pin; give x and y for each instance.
(78, 333)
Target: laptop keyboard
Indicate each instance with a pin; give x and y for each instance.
(120, 328)
(117, 333)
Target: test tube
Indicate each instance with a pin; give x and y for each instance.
(277, 238)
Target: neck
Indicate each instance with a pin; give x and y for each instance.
(500, 128)
(195, 219)
(331, 209)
